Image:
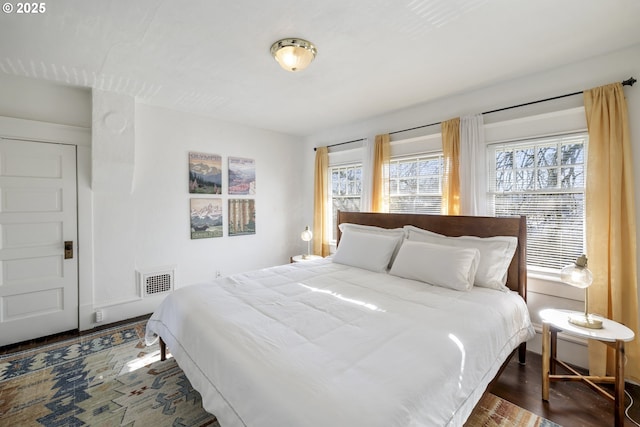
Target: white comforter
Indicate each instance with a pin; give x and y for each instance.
(323, 344)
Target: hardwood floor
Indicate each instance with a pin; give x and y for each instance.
(570, 403)
(28, 345)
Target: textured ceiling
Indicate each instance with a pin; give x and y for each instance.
(211, 57)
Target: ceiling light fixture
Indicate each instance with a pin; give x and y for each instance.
(293, 54)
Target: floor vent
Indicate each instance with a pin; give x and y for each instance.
(157, 282)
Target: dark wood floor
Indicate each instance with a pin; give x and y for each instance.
(570, 403)
(51, 339)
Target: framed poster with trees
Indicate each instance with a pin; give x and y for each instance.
(242, 217)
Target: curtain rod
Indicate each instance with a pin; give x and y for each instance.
(342, 143)
(629, 82)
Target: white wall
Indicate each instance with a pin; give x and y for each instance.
(154, 217)
(43, 101)
(616, 66)
(146, 226)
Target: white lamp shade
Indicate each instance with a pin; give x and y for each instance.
(306, 235)
(580, 276)
(577, 274)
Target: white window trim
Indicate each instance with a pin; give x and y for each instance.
(347, 161)
(410, 157)
(550, 284)
(422, 145)
(564, 121)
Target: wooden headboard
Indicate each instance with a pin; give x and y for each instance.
(450, 225)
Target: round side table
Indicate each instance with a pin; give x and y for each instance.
(612, 334)
(303, 258)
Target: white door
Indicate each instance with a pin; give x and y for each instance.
(38, 214)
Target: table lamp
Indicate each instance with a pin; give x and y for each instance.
(578, 275)
(307, 235)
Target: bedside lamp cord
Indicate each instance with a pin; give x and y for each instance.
(626, 411)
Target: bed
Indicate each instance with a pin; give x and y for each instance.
(337, 342)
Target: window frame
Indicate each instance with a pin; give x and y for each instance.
(540, 272)
(332, 216)
(417, 157)
(564, 116)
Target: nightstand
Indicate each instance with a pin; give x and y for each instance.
(612, 334)
(302, 258)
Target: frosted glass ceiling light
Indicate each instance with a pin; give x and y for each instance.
(293, 54)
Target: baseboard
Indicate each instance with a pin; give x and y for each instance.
(117, 312)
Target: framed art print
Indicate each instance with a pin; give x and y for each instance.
(242, 217)
(242, 176)
(206, 218)
(205, 173)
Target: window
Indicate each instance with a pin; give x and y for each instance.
(346, 189)
(416, 184)
(543, 179)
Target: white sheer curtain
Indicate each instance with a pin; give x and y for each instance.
(473, 164)
(367, 176)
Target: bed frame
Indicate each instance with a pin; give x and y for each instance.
(451, 225)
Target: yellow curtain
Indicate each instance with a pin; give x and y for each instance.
(320, 219)
(380, 191)
(451, 172)
(611, 224)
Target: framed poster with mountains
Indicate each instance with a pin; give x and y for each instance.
(205, 173)
(242, 176)
(206, 218)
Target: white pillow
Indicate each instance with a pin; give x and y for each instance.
(371, 229)
(398, 233)
(371, 251)
(495, 253)
(440, 265)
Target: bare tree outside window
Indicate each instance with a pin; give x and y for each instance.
(346, 190)
(416, 184)
(543, 179)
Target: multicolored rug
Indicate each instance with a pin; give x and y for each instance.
(493, 411)
(110, 378)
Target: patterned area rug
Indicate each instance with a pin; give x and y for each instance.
(111, 379)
